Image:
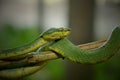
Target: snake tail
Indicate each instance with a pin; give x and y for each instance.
(68, 50)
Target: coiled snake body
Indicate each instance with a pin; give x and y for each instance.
(66, 49)
(44, 38)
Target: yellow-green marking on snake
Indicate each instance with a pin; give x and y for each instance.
(45, 38)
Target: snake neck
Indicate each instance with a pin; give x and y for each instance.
(31, 46)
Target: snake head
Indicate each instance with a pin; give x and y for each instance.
(56, 33)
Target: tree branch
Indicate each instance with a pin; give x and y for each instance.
(47, 55)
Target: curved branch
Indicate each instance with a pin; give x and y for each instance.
(48, 55)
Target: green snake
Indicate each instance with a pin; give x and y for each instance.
(65, 48)
(21, 72)
(68, 50)
(45, 38)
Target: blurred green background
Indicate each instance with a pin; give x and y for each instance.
(22, 21)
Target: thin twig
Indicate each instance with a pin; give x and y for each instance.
(92, 45)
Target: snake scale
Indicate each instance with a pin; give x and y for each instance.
(62, 46)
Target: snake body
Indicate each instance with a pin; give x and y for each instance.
(68, 50)
(44, 38)
(61, 46)
(21, 72)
